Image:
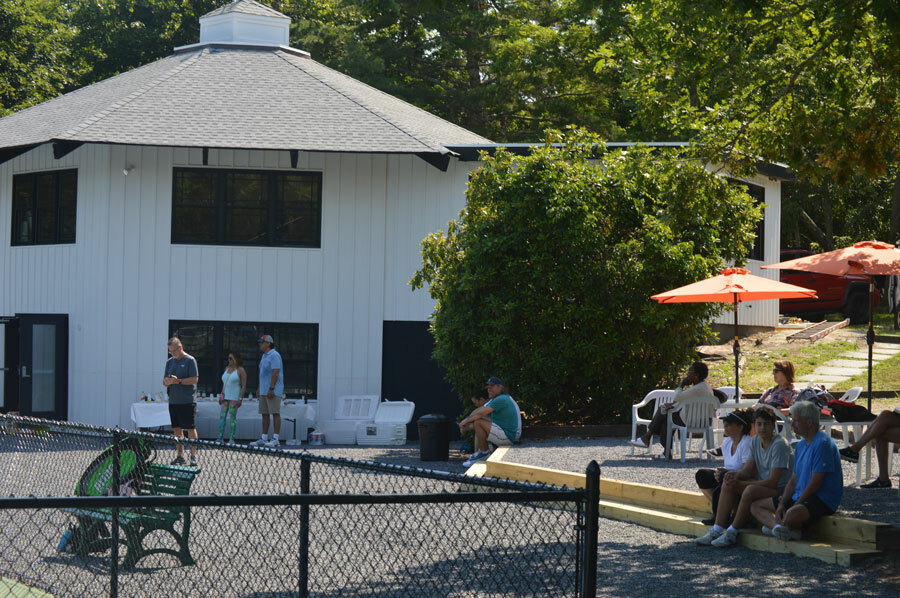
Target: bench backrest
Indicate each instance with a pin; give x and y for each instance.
(168, 480)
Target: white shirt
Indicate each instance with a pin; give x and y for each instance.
(736, 461)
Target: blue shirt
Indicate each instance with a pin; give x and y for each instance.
(269, 362)
(819, 456)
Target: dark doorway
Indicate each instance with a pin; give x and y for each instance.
(9, 365)
(43, 366)
(409, 372)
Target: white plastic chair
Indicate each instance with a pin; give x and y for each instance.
(729, 392)
(851, 395)
(658, 397)
(697, 414)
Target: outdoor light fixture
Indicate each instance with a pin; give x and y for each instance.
(128, 169)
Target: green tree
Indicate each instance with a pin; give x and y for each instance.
(546, 276)
(34, 60)
(815, 83)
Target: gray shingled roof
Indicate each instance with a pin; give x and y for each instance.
(247, 7)
(229, 97)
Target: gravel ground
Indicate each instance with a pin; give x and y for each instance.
(679, 567)
(371, 550)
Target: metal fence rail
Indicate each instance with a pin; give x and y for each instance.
(271, 523)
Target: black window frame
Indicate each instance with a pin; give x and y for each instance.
(31, 179)
(272, 207)
(757, 192)
(305, 388)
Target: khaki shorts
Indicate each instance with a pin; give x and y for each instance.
(498, 437)
(270, 406)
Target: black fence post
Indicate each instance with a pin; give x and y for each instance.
(304, 531)
(114, 524)
(592, 530)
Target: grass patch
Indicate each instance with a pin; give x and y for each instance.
(756, 375)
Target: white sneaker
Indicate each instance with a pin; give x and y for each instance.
(478, 456)
(785, 533)
(230, 442)
(728, 538)
(767, 531)
(272, 444)
(707, 540)
(258, 442)
(638, 443)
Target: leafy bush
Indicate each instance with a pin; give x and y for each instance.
(545, 278)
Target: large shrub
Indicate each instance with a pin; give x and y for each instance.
(545, 279)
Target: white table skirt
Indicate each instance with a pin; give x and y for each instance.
(249, 422)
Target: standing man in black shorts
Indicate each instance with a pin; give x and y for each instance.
(180, 380)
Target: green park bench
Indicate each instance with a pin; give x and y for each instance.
(92, 533)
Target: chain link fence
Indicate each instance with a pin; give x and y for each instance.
(267, 523)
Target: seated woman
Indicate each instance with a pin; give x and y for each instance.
(783, 394)
(764, 476)
(735, 450)
(694, 384)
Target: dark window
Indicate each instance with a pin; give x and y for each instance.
(210, 343)
(44, 207)
(244, 207)
(758, 193)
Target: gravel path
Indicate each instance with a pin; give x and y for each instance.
(636, 560)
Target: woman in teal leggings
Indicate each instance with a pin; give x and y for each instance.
(234, 383)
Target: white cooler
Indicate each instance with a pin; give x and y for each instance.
(389, 427)
(350, 412)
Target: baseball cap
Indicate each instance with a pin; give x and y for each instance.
(494, 380)
(266, 338)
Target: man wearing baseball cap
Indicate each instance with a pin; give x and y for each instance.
(271, 390)
(504, 426)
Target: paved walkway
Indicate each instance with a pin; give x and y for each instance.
(850, 364)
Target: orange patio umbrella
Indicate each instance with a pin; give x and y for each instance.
(734, 285)
(872, 258)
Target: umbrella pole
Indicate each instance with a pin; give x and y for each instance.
(737, 352)
(870, 336)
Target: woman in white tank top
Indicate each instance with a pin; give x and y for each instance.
(234, 383)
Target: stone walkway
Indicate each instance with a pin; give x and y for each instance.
(850, 364)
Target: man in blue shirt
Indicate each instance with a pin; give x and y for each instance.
(271, 390)
(817, 485)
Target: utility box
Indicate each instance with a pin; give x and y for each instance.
(389, 427)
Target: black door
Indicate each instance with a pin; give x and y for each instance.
(9, 364)
(43, 365)
(409, 372)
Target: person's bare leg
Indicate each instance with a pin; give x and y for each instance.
(179, 448)
(885, 422)
(482, 431)
(276, 422)
(265, 424)
(727, 499)
(764, 511)
(751, 495)
(192, 433)
(881, 451)
(796, 516)
(707, 493)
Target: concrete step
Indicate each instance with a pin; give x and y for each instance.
(864, 355)
(859, 364)
(838, 371)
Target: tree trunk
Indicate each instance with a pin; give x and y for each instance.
(817, 234)
(895, 210)
(828, 219)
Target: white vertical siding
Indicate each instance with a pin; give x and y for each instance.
(123, 280)
(763, 313)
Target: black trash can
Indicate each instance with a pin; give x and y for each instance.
(434, 437)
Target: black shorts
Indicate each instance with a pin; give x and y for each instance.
(182, 416)
(817, 509)
(706, 480)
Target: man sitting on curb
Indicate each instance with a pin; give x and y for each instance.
(816, 486)
(502, 428)
(763, 477)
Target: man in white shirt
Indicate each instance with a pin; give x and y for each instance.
(693, 385)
